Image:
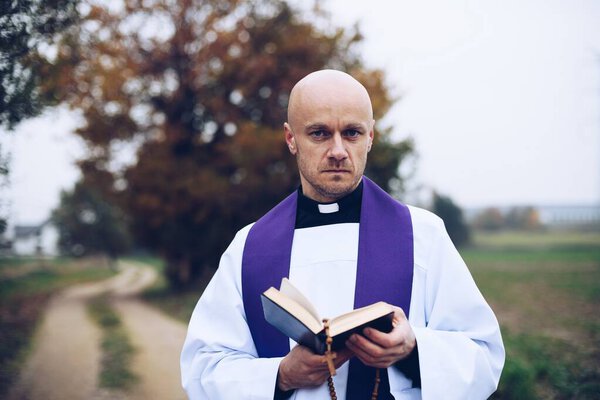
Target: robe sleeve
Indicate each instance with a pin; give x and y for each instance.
(219, 359)
(460, 348)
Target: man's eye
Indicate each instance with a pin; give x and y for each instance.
(319, 133)
(352, 133)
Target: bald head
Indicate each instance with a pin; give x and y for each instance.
(330, 89)
(330, 131)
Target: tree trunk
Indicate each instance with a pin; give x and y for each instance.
(179, 272)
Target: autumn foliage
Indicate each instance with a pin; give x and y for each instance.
(195, 91)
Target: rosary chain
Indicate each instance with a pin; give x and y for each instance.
(330, 355)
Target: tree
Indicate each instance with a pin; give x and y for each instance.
(452, 216)
(89, 225)
(490, 219)
(200, 87)
(3, 185)
(523, 218)
(27, 27)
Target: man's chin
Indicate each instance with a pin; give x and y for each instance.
(336, 190)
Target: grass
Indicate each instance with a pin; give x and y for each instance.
(7, 263)
(536, 240)
(545, 290)
(117, 350)
(540, 366)
(25, 287)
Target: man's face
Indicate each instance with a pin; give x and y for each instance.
(330, 133)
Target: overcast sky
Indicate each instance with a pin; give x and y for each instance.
(502, 99)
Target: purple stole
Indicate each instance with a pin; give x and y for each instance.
(384, 272)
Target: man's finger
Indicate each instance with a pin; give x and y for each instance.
(399, 314)
(368, 359)
(358, 351)
(385, 340)
(366, 345)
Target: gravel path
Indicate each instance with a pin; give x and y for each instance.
(159, 343)
(65, 358)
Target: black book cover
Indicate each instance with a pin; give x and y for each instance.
(293, 328)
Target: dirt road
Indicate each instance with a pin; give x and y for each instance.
(65, 359)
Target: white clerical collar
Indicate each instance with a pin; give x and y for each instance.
(329, 208)
(311, 213)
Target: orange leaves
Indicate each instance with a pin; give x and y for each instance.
(203, 87)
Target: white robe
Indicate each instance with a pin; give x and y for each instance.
(460, 348)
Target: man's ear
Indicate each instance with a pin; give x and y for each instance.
(371, 137)
(289, 138)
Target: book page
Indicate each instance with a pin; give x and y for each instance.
(287, 315)
(292, 292)
(358, 317)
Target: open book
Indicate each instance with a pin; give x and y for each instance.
(290, 311)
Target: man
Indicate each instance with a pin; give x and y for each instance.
(344, 243)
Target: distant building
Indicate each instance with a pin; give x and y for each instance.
(577, 217)
(570, 216)
(35, 240)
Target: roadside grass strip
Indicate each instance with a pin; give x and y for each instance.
(117, 350)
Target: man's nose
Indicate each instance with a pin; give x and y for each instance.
(338, 148)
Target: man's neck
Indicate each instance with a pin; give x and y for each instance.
(311, 213)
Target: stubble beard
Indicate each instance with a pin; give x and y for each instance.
(331, 191)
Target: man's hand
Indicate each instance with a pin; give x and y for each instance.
(380, 350)
(303, 368)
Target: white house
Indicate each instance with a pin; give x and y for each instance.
(40, 240)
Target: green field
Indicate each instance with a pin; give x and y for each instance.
(545, 290)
